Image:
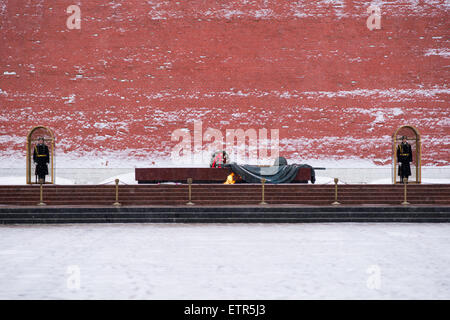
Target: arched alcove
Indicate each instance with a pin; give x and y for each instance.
(49, 140)
(413, 138)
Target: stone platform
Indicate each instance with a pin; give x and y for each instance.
(237, 214)
(220, 194)
(224, 203)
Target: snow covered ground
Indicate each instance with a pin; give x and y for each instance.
(21, 180)
(229, 261)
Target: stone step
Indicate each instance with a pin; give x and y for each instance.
(228, 187)
(236, 198)
(220, 203)
(223, 195)
(233, 192)
(215, 215)
(213, 189)
(224, 215)
(228, 209)
(219, 194)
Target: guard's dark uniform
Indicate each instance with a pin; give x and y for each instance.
(404, 157)
(41, 157)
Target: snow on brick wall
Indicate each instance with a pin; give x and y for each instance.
(138, 70)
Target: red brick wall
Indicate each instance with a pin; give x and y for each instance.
(137, 70)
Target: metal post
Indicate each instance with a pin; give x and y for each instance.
(117, 203)
(41, 195)
(189, 181)
(263, 181)
(405, 202)
(335, 203)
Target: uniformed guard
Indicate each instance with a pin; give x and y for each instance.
(404, 158)
(41, 158)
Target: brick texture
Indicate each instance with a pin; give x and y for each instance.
(137, 70)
